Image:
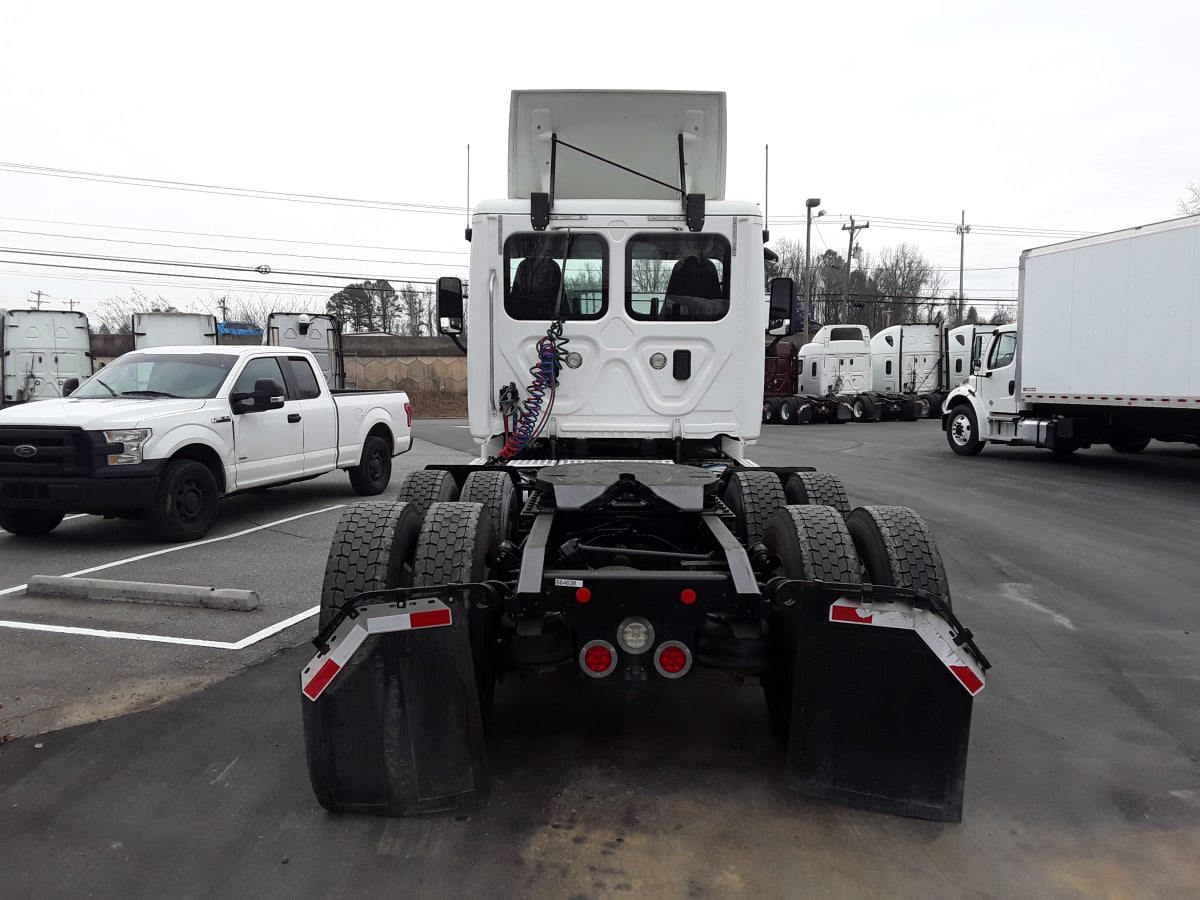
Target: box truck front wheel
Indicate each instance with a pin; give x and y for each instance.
(29, 522)
(962, 431)
(811, 542)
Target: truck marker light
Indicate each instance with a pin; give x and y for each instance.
(583, 595)
(673, 659)
(929, 626)
(635, 635)
(381, 618)
(687, 596)
(598, 658)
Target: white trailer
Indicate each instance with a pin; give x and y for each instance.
(319, 334)
(173, 329)
(613, 527)
(1106, 349)
(40, 349)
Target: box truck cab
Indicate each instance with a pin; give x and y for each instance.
(41, 349)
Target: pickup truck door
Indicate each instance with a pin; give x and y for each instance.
(269, 444)
(319, 416)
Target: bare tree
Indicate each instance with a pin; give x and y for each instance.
(650, 276)
(1003, 315)
(904, 278)
(117, 312)
(412, 320)
(1189, 204)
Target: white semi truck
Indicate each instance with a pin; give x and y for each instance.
(173, 329)
(319, 334)
(1106, 349)
(613, 529)
(40, 350)
(844, 374)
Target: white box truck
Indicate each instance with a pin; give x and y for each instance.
(39, 350)
(1106, 349)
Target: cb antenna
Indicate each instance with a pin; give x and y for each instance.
(468, 229)
(766, 193)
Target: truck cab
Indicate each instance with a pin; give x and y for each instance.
(836, 361)
(40, 350)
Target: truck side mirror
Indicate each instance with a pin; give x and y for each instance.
(450, 305)
(783, 298)
(69, 386)
(267, 394)
(976, 365)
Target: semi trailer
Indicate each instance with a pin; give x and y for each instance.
(1106, 348)
(844, 374)
(613, 530)
(40, 350)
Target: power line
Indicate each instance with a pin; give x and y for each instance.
(233, 237)
(221, 190)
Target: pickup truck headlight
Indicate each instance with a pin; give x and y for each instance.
(132, 441)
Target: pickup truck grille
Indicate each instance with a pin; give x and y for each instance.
(44, 451)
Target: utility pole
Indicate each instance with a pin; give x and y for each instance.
(963, 230)
(852, 228)
(71, 305)
(809, 205)
(39, 294)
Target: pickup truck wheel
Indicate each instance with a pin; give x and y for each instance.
(371, 476)
(458, 543)
(752, 497)
(962, 431)
(811, 542)
(29, 522)
(185, 506)
(372, 550)
(426, 487)
(496, 492)
(817, 489)
(1130, 445)
(897, 549)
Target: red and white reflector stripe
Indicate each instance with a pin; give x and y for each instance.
(350, 635)
(931, 628)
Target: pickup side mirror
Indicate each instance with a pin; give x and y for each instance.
(783, 299)
(267, 394)
(69, 386)
(450, 305)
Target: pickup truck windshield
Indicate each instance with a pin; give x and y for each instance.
(193, 375)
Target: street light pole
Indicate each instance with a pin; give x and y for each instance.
(809, 204)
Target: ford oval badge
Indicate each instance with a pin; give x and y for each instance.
(25, 451)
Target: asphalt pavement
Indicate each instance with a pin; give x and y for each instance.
(1078, 577)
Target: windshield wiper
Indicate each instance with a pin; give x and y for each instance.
(105, 386)
(149, 394)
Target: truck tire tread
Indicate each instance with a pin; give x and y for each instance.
(817, 489)
(426, 487)
(752, 496)
(898, 549)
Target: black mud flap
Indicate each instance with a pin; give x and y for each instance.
(878, 723)
(398, 731)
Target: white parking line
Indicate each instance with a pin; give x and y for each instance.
(245, 642)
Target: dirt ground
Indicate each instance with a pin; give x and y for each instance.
(437, 405)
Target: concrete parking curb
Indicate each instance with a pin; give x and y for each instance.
(142, 592)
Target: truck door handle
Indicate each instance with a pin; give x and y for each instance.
(293, 418)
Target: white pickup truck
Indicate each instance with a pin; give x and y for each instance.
(163, 434)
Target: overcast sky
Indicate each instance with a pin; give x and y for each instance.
(1038, 116)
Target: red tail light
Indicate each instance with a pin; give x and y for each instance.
(673, 659)
(408, 413)
(598, 658)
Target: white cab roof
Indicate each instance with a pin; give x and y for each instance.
(637, 129)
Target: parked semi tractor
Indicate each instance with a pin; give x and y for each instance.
(613, 529)
(1089, 361)
(845, 375)
(319, 334)
(40, 350)
(173, 329)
